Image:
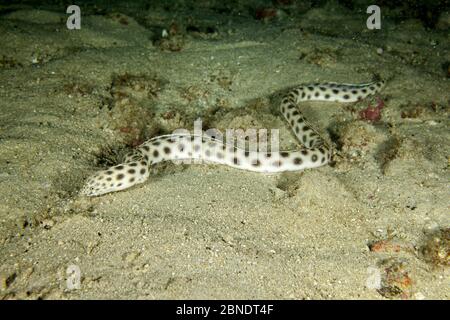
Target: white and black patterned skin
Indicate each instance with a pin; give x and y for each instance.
(315, 152)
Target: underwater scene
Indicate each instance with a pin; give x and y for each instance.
(208, 149)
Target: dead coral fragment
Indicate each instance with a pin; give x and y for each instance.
(412, 114)
(436, 249)
(396, 281)
(391, 244)
(171, 41)
(420, 110)
(385, 246)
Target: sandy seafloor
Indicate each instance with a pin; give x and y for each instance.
(70, 100)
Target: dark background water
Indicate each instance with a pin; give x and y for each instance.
(427, 11)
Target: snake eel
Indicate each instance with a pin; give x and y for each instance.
(314, 153)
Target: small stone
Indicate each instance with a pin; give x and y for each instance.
(47, 223)
(3, 285)
(130, 257)
(6, 280)
(228, 239)
(430, 227)
(278, 193)
(419, 296)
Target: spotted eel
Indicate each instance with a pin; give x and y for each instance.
(315, 151)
